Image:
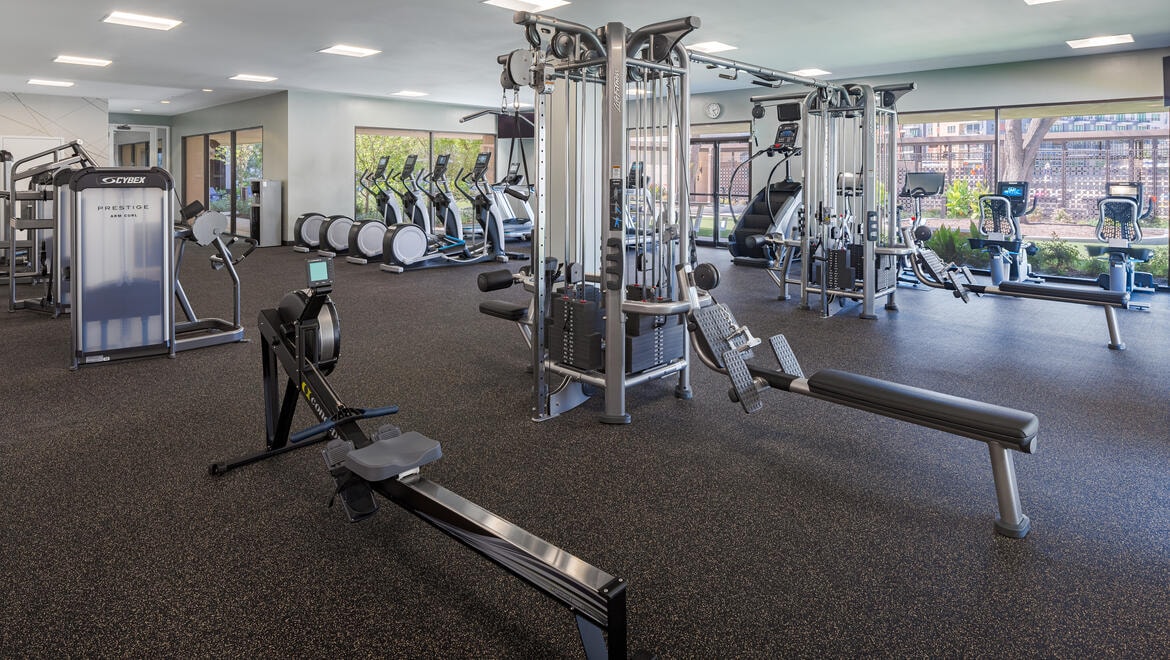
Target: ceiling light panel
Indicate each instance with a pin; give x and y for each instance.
(408, 93)
(712, 47)
(1039, 2)
(84, 61)
(49, 83)
(521, 5)
(1093, 42)
(141, 20)
(810, 73)
(349, 51)
(248, 77)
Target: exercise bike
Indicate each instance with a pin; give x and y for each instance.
(1119, 216)
(999, 222)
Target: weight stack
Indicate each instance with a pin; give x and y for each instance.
(575, 330)
(841, 275)
(652, 341)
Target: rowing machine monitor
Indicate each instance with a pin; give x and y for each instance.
(319, 272)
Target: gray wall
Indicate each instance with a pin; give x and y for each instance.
(321, 143)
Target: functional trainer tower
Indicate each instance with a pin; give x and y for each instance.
(300, 346)
(615, 324)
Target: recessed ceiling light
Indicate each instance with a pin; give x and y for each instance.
(1110, 40)
(85, 61)
(409, 93)
(49, 83)
(141, 20)
(810, 73)
(136, 110)
(208, 89)
(349, 51)
(248, 77)
(1039, 2)
(164, 101)
(712, 47)
(531, 5)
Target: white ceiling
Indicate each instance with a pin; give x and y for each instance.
(449, 47)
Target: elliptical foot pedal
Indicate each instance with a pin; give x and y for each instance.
(389, 457)
(356, 497)
(742, 382)
(784, 355)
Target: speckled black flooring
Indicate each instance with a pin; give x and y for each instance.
(803, 531)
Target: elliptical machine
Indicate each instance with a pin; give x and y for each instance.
(999, 222)
(365, 235)
(300, 346)
(1119, 216)
(307, 232)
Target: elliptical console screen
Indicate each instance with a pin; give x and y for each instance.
(408, 166)
(320, 272)
(786, 136)
(440, 166)
(380, 170)
(1013, 189)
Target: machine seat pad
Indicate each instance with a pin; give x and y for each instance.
(1068, 294)
(987, 422)
(1140, 254)
(390, 457)
(503, 309)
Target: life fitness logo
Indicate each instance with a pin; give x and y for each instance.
(123, 180)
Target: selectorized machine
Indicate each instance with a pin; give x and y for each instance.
(300, 346)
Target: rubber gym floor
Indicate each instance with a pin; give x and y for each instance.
(805, 530)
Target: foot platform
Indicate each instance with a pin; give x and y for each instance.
(386, 458)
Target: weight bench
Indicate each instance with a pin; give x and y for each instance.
(728, 346)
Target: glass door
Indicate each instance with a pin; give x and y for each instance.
(139, 146)
(716, 201)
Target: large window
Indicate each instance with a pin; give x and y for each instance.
(139, 146)
(717, 151)
(372, 143)
(1067, 153)
(218, 168)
